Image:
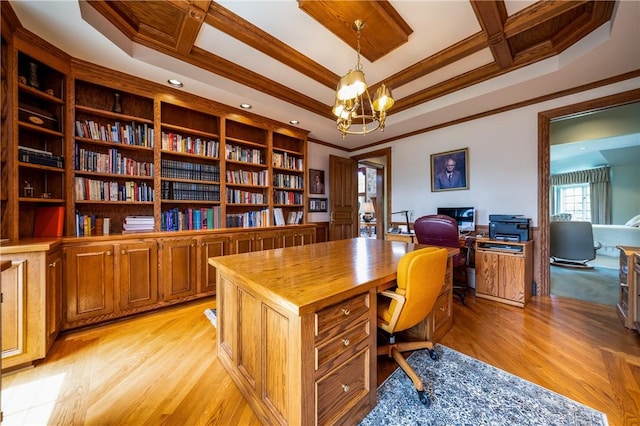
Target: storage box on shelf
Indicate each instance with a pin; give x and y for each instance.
(41, 147)
(114, 156)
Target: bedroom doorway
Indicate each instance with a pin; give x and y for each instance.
(587, 111)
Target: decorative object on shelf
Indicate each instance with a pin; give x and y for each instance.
(450, 170)
(116, 103)
(33, 75)
(22, 79)
(317, 204)
(367, 211)
(28, 190)
(353, 102)
(49, 92)
(45, 195)
(316, 181)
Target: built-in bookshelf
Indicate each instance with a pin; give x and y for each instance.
(288, 167)
(190, 169)
(114, 140)
(247, 176)
(41, 148)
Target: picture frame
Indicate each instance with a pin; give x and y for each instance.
(317, 205)
(453, 178)
(316, 181)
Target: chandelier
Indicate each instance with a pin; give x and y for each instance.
(353, 103)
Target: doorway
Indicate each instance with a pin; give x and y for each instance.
(544, 164)
(375, 169)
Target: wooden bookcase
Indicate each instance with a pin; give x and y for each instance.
(288, 163)
(113, 157)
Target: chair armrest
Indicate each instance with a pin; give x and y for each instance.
(395, 315)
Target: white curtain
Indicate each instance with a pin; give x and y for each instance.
(599, 188)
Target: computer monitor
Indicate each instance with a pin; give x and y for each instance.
(465, 216)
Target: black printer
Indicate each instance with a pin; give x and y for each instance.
(505, 227)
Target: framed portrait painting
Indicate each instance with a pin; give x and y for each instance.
(450, 170)
(316, 181)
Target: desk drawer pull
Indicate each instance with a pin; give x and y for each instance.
(345, 388)
(346, 311)
(346, 342)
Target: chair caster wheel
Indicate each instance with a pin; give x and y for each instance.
(433, 354)
(424, 398)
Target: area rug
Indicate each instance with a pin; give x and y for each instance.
(597, 285)
(465, 391)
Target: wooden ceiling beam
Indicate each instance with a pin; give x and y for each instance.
(238, 28)
(537, 13)
(191, 26)
(492, 15)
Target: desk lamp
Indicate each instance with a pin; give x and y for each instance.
(367, 211)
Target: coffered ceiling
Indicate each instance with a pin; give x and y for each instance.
(444, 60)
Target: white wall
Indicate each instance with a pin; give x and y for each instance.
(503, 161)
(318, 158)
(625, 197)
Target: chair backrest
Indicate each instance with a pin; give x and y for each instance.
(437, 230)
(420, 277)
(571, 240)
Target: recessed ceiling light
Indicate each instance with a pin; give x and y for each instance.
(175, 83)
(294, 122)
(245, 106)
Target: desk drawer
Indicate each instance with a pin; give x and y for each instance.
(441, 310)
(347, 310)
(343, 388)
(342, 347)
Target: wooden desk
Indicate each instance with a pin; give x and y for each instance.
(297, 327)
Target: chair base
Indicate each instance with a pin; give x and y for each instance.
(394, 350)
(565, 263)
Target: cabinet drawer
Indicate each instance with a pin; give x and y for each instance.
(343, 346)
(342, 388)
(344, 311)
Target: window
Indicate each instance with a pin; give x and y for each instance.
(574, 199)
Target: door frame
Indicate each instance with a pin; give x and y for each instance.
(386, 153)
(544, 166)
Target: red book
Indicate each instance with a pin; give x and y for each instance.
(49, 222)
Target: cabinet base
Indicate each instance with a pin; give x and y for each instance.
(499, 299)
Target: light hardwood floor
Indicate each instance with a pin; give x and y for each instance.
(161, 368)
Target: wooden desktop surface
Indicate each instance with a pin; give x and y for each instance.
(299, 321)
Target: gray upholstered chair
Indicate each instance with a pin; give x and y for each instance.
(572, 244)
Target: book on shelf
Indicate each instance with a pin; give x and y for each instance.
(278, 216)
(294, 218)
(49, 222)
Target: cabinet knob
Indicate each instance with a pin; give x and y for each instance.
(346, 311)
(345, 388)
(52, 265)
(123, 251)
(108, 252)
(193, 244)
(442, 309)
(346, 342)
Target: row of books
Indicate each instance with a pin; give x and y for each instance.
(248, 219)
(98, 190)
(137, 224)
(288, 181)
(203, 218)
(246, 177)
(245, 197)
(128, 134)
(174, 169)
(288, 197)
(186, 191)
(246, 155)
(111, 162)
(287, 161)
(294, 217)
(88, 225)
(189, 145)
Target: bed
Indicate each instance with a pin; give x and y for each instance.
(611, 236)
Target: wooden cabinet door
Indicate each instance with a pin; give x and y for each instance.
(242, 242)
(211, 246)
(89, 278)
(298, 237)
(138, 283)
(266, 240)
(512, 278)
(178, 267)
(14, 308)
(487, 273)
(54, 282)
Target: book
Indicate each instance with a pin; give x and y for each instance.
(49, 222)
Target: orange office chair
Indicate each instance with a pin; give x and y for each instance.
(441, 230)
(419, 282)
